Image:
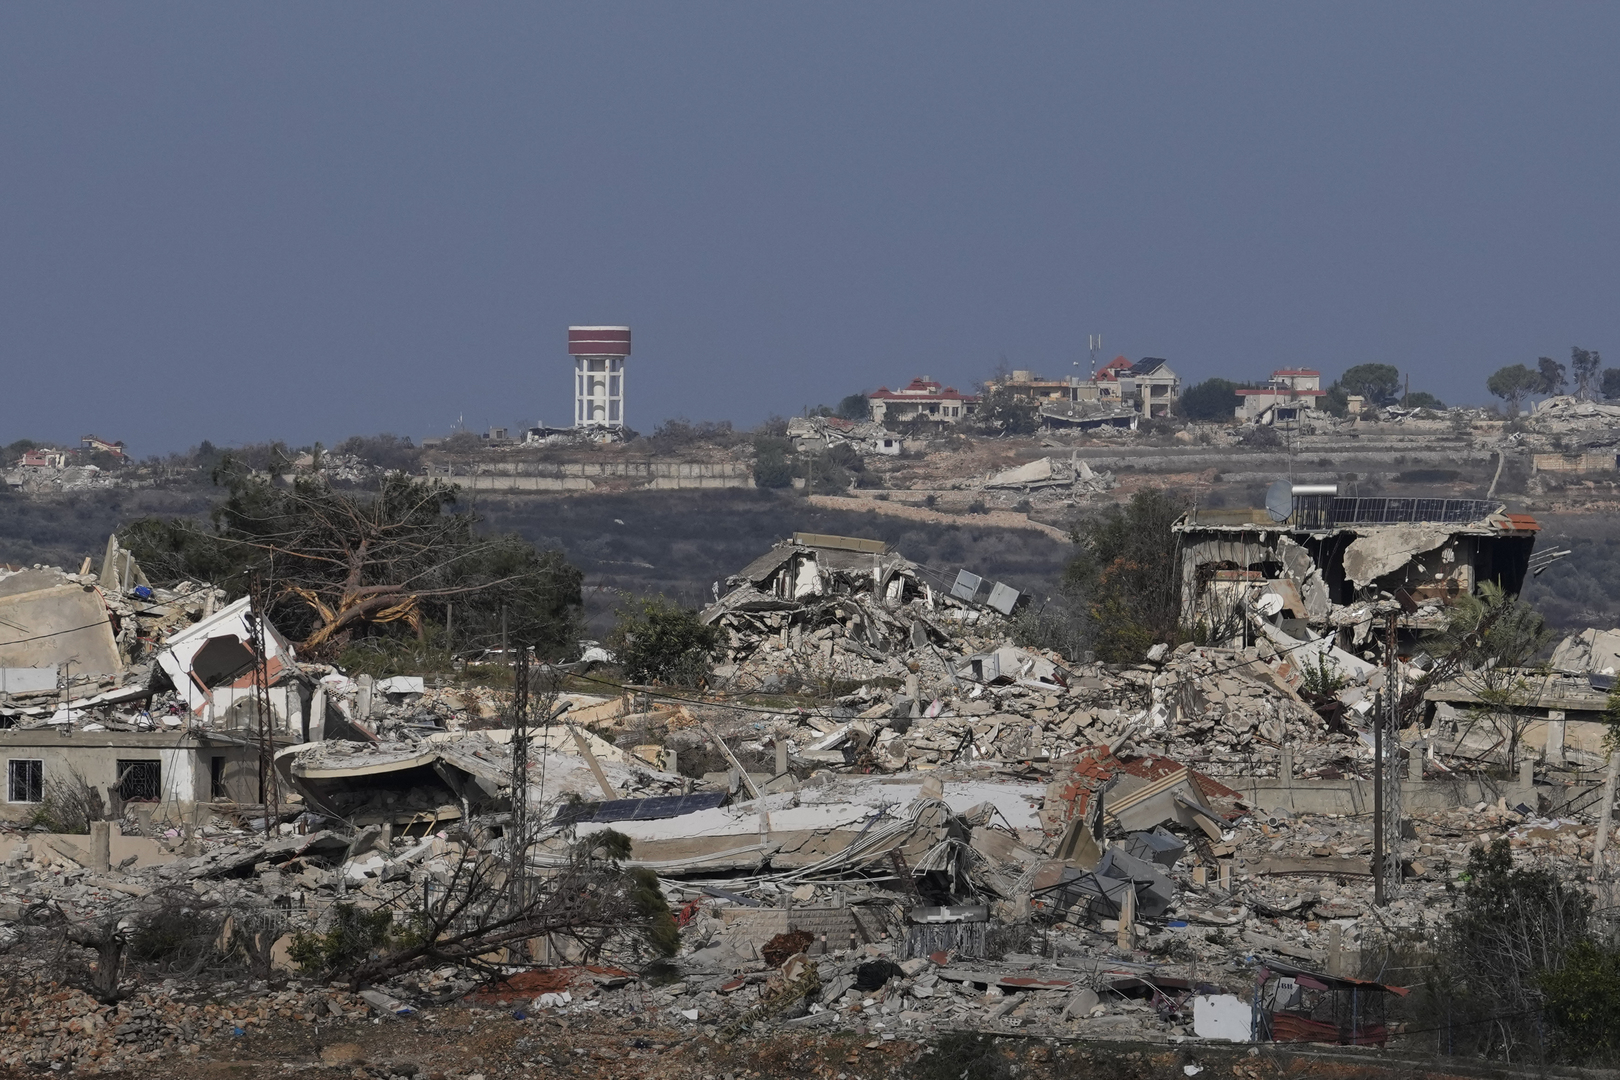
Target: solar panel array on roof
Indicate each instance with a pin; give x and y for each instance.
(663, 806)
(1390, 511)
(1318, 511)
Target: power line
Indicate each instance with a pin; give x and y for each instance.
(55, 633)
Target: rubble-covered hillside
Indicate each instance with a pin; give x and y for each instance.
(882, 819)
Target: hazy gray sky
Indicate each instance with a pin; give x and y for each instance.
(309, 220)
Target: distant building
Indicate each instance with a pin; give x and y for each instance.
(1027, 384)
(94, 444)
(922, 399)
(1283, 398)
(1149, 386)
(1157, 386)
(44, 458)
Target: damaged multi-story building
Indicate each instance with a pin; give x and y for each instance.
(1315, 562)
(82, 658)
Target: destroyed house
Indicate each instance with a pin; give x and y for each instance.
(166, 772)
(1330, 552)
(838, 604)
(813, 565)
(818, 434)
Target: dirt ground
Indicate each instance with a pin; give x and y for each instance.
(461, 1043)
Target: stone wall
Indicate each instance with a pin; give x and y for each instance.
(587, 475)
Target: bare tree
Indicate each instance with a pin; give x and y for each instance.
(1488, 646)
(589, 899)
(337, 562)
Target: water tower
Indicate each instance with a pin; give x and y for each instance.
(599, 353)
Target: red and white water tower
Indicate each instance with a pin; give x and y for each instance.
(599, 354)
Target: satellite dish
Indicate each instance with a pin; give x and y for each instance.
(1270, 605)
(1280, 500)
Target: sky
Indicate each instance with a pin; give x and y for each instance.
(303, 221)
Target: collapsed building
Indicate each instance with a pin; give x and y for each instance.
(822, 606)
(818, 434)
(977, 833)
(140, 695)
(1315, 563)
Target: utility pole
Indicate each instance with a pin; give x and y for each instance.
(1378, 801)
(261, 702)
(1386, 866)
(518, 843)
(1600, 843)
(1393, 803)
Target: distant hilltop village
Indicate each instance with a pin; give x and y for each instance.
(1562, 419)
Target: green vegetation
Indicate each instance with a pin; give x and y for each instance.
(1610, 383)
(660, 642)
(1520, 973)
(772, 468)
(1319, 681)
(1586, 365)
(831, 472)
(1380, 384)
(354, 937)
(964, 1055)
(1212, 399)
(1126, 577)
(335, 565)
(1516, 382)
(1004, 412)
(1513, 384)
(854, 407)
(1582, 1002)
(1489, 640)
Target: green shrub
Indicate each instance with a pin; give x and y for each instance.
(659, 641)
(772, 468)
(1583, 1003)
(1126, 575)
(964, 1055)
(354, 936)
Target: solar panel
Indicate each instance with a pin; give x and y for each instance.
(1396, 511)
(662, 806)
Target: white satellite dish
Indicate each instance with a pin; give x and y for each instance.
(1269, 605)
(1280, 500)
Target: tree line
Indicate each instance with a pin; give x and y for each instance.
(1516, 382)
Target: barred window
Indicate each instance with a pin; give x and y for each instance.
(25, 780)
(140, 781)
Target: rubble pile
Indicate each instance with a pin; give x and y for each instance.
(832, 608)
(109, 631)
(51, 1024)
(975, 835)
(1069, 477)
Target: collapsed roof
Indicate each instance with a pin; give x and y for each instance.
(1321, 565)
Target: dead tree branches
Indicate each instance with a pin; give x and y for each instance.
(590, 902)
(340, 563)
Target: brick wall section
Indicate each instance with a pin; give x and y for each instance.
(759, 925)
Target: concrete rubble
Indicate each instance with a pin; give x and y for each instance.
(1071, 476)
(973, 834)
